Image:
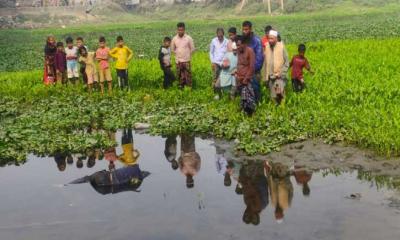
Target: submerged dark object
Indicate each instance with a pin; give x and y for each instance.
(124, 179)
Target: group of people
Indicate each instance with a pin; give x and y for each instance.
(67, 64)
(240, 63)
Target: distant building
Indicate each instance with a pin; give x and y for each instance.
(7, 3)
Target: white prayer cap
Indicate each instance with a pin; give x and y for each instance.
(273, 33)
(234, 47)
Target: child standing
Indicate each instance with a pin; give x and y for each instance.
(49, 65)
(90, 67)
(80, 43)
(123, 55)
(72, 60)
(102, 55)
(297, 64)
(61, 64)
(164, 56)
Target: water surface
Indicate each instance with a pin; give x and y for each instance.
(273, 201)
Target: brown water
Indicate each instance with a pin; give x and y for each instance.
(36, 203)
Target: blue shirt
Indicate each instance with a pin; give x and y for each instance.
(256, 45)
(218, 50)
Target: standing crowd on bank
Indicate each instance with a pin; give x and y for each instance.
(241, 63)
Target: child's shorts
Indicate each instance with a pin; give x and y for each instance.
(105, 75)
(91, 77)
(72, 69)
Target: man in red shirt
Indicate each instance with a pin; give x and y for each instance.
(297, 64)
(264, 40)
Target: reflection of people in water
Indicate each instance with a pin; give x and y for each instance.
(281, 189)
(61, 161)
(127, 178)
(233, 170)
(255, 190)
(302, 177)
(79, 162)
(70, 159)
(130, 154)
(170, 151)
(189, 161)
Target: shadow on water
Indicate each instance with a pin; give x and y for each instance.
(184, 181)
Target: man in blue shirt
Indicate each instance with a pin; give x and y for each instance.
(254, 42)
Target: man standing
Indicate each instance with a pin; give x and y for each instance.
(264, 39)
(245, 75)
(218, 48)
(183, 47)
(276, 66)
(254, 43)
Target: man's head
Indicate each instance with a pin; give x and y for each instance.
(167, 42)
(181, 29)
(232, 33)
(79, 163)
(267, 29)
(306, 190)
(279, 214)
(174, 164)
(79, 42)
(70, 160)
(302, 49)
(240, 43)
(91, 161)
(120, 41)
(189, 181)
(60, 46)
(70, 42)
(247, 28)
(102, 42)
(272, 38)
(220, 33)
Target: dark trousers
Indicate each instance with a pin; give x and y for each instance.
(122, 75)
(127, 136)
(82, 70)
(255, 83)
(297, 85)
(169, 77)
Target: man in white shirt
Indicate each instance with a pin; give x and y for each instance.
(218, 48)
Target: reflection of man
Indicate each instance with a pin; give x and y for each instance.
(170, 151)
(61, 161)
(281, 189)
(302, 178)
(255, 191)
(189, 161)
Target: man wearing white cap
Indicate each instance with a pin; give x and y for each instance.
(276, 66)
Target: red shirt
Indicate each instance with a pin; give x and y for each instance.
(298, 63)
(264, 41)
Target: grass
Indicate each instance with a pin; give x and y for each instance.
(353, 97)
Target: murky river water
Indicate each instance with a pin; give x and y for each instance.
(222, 199)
